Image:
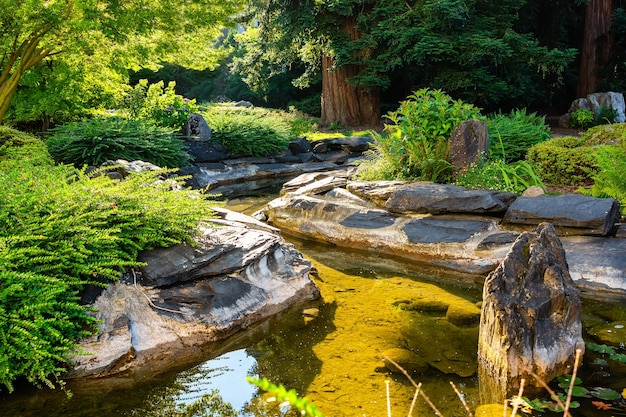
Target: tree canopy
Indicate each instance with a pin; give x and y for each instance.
(471, 49)
(94, 41)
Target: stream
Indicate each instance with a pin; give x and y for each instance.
(329, 350)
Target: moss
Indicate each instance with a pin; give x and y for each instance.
(564, 161)
(407, 360)
(427, 305)
(614, 134)
(463, 313)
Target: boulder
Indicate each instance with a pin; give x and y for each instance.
(468, 144)
(197, 129)
(206, 151)
(588, 215)
(300, 145)
(424, 197)
(407, 360)
(188, 297)
(610, 100)
(531, 317)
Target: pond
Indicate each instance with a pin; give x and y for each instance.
(329, 350)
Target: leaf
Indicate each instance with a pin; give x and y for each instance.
(601, 405)
(605, 393)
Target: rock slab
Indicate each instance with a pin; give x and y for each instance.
(187, 297)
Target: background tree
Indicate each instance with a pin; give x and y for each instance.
(470, 49)
(78, 36)
(597, 45)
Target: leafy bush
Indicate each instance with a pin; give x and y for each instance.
(20, 146)
(564, 161)
(497, 175)
(415, 143)
(512, 134)
(60, 230)
(249, 131)
(94, 141)
(159, 104)
(613, 134)
(582, 119)
(610, 180)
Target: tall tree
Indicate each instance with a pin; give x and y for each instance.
(597, 47)
(468, 48)
(130, 34)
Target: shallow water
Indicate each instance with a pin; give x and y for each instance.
(333, 354)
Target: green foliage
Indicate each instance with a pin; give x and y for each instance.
(61, 229)
(415, 143)
(512, 134)
(94, 141)
(208, 405)
(564, 161)
(19, 146)
(582, 119)
(613, 134)
(81, 51)
(611, 351)
(251, 131)
(159, 104)
(610, 180)
(498, 175)
(470, 49)
(302, 404)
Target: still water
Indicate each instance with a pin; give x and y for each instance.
(329, 350)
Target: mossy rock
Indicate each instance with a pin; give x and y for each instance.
(613, 333)
(428, 306)
(613, 134)
(493, 410)
(407, 360)
(463, 313)
(566, 160)
(616, 313)
(449, 348)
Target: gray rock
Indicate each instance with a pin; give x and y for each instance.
(300, 145)
(530, 318)
(151, 327)
(443, 198)
(443, 230)
(243, 103)
(611, 100)
(353, 144)
(468, 144)
(202, 152)
(588, 215)
(197, 129)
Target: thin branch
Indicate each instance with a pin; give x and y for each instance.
(458, 393)
(571, 382)
(148, 298)
(388, 399)
(417, 393)
(518, 399)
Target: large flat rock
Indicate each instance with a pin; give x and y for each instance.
(586, 215)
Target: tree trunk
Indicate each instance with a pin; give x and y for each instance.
(597, 45)
(343, 103)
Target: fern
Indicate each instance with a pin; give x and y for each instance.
(61, 229)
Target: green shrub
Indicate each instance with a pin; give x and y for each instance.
(159, 104)
(515, 177)
(94, 141)
(60, 230)
(582, 119)
(415, 143)
(20, 146)
(564, 161)
(512, 134)
(613, 134)
(249, 131)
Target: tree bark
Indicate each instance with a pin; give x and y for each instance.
(597, 45)
(343, 103)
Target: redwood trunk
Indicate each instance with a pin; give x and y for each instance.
(597, 45)
(343, 103)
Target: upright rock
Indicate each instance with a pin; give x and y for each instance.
(469, 143)
(530, 318)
